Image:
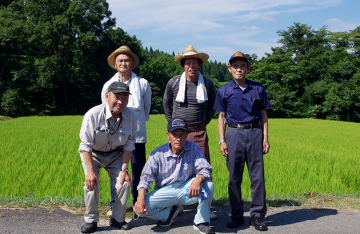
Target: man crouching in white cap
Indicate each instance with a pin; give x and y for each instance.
(182, 176)
(107, 140)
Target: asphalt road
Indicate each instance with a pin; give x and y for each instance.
(279, 220)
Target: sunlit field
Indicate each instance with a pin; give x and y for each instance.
(39, 156)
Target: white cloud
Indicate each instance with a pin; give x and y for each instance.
(333, 21)
(338, 25)
(251, 28)
(202, 15)
(229, 25)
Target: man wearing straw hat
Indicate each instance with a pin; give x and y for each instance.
(191, 97)
(124, 60)
(107, 139)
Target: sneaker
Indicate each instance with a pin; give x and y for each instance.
(258, 223)
(203, 228)
(123, 225)
(173, 213)
(212, 216)
(88, 227)
(109, 213)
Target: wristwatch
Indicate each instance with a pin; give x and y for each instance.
(127, 169)
(221, 142)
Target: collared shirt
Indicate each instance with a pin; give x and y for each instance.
(242, 106)
(145, 103)
(165, 168)
(94, 133)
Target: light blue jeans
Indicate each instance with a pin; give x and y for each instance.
(160, 201)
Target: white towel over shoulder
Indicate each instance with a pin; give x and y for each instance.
(201, 94)
(134, 98)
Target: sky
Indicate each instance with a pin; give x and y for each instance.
(221, 28)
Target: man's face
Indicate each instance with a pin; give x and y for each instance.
(123, 63)
(239, 68)
(117, 102)
(177, 138)
(191, 67)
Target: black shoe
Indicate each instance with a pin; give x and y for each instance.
(123, 225)
(203, 228)
(88, 227)
(173, 213)
(235, 222)
(258, 223)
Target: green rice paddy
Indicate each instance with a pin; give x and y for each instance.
(39, 156)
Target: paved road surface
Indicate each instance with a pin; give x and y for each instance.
(279, 220)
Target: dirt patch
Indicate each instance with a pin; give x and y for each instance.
(2, 118)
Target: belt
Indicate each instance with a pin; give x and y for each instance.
(120, 148)
(244, 126)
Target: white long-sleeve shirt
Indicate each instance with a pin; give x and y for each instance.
(145, 103)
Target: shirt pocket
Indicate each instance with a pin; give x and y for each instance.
(255, 106)
(101, 137)
(187, 168)
(122, 136)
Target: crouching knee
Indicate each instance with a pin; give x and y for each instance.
(208, 185)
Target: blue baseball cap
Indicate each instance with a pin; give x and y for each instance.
(238, 55)
(177, 123)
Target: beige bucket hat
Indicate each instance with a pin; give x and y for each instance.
(123, 50)
(190, 52)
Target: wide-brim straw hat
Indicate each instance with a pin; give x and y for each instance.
(190, 52)
(123, 50)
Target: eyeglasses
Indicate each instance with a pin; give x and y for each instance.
(124, 60)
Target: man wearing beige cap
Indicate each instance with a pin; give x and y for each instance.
(107, 139)
(123, 60)
(191, 97)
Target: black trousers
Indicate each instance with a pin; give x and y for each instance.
(138, 159)
(245, 146)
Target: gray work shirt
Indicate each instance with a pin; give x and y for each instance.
(192, 111)
(94, 134)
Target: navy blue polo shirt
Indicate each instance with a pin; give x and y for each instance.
(242, 106)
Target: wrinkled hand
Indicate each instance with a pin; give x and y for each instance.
(90, 180)
(140, 206)
(124, 176)
(266, 146)
(223, 149)
(195, 187)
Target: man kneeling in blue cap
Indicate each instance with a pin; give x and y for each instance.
(182, 176)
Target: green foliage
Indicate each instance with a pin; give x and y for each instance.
(313, 74)
(39, 157)
(53, 62)
(158, 70)
(59, 48)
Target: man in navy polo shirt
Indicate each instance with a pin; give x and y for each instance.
(242, 105)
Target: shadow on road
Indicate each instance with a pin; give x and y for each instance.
(297, 216)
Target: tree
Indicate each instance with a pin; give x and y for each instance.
(58, 41)
(158, 71)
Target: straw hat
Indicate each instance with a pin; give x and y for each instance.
(123, 50)
(190, 52)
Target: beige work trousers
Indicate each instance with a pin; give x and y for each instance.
(111, 162)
